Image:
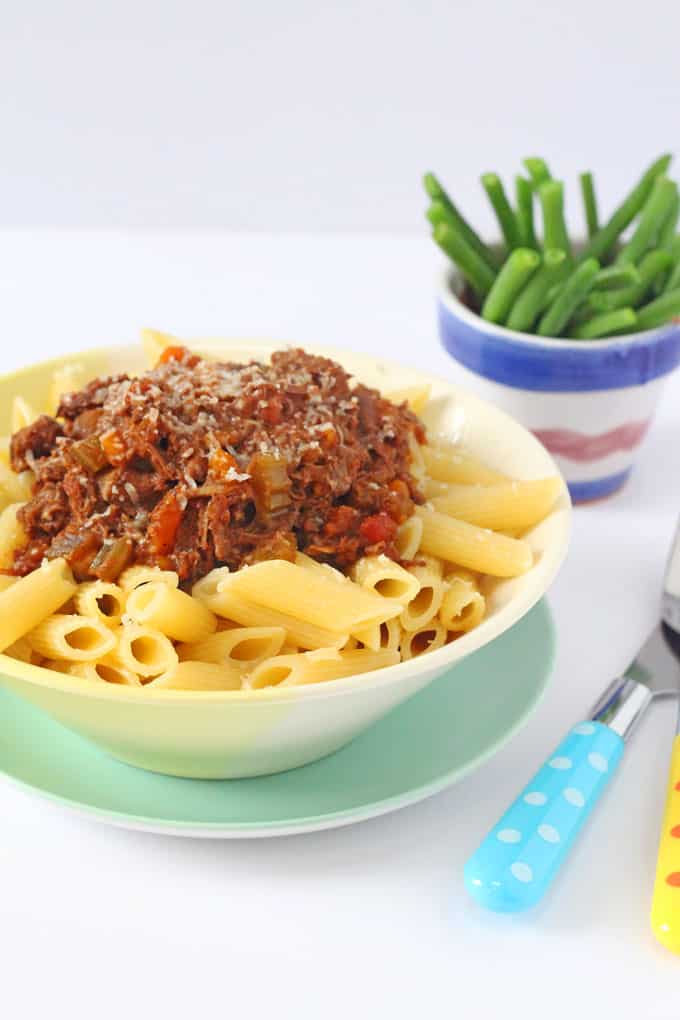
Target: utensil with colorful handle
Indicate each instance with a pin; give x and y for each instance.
(666, 901)
(515, 864)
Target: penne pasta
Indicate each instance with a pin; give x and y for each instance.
(22, 414)
(463, 606)
(426, 639)
(415, 396)
(66, 379)
(15, 488)
(143, 650)
(318, 666)
(4, 450)
(417, 465)
(132, 577)
(171, 611)
(207, 588)
(308, 596)
(476, 548)
(381, 635)
(102, 672)
(21, 650)
(240, 646)
(12, 534)
(198, 676)
(247, 614)
(68, 636)
(154, 343)
(385, 577)
(424, 605)
(507, 505)
(6, 581)
(449, 464)
(409, 537)
(102, 600)
(32, 598)
(321, 569)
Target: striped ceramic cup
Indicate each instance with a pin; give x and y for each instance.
(590, 403)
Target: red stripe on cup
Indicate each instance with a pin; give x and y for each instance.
(580, 447)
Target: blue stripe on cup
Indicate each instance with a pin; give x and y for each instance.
(529, 363)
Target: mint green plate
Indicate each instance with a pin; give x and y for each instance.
(422, 747)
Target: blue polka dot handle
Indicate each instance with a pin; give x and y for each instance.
(519, 858)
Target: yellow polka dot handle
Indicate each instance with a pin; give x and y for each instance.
(666, 903)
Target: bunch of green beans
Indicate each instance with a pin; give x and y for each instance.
(552, 287)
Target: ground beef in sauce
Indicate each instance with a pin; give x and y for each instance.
(200, 463)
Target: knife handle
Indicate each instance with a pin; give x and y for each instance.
(666, 902)
(518, 860)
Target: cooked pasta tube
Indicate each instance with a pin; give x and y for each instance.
(246, 613)
(198, 676)
(308, 596)
(426, 639)
(21, 650)
(315, 667)
(103, 672)
(463, 605)
(12, 534)
(476, 548)
(33, 598)
(4, 450)
(22, 414)
(425, 604)
(381, 635)
(408, 537)
(452, 465)
(415, 396)
(102, 600)
(322, 569)
(430, 487)
(143, 650)
(68, 636)
(385, 577)
(66, 379)
(241, 646)
(154, 343)
(170, 611)
(15, 488)
(6, 581)
(417, 465)
(132, 577)
(503, 506)
(206, 589)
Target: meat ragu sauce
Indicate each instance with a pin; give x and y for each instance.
(200, 463)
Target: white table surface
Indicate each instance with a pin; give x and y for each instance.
(370, 920)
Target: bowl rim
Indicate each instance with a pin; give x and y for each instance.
(438, 660)
(450, 299)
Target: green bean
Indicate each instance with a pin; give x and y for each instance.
(606, 237)
(555, 233)
(474, 269)
(529, 303)
(574, 291)
(623, 320)
(504, 214)
(660, 311)
(538, 170)
(525, 212)
(589, 202)
(655, 211)
(673, 281)
(457, 221)
(614, 277)
(519, 266)
(652, 265)
(666, 235)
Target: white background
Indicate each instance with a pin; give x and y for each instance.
(369, 921)
(303, 117)
(308, 115)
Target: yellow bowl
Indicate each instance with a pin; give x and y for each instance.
(229, 734)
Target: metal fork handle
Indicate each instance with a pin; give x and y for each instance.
(622, 706)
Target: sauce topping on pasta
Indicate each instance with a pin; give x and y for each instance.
(199, 463)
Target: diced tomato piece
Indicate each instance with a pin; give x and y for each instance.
(378, 528)
(166, 518)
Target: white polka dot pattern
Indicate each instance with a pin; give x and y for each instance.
(509, 835)
(584, 729)
(574, 796)
(549, 833)
(535, 798)
(561, 763)
(522, 871)
(598, 761)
